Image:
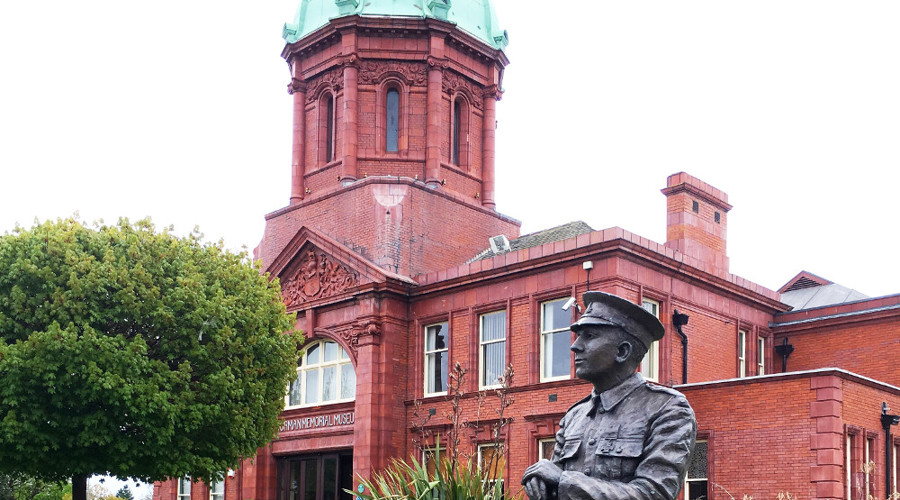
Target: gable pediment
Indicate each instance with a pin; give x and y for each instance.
(314, 267)
(313, 275)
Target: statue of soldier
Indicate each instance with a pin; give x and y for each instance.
(629, 439)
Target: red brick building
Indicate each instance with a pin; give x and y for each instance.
(397, 264)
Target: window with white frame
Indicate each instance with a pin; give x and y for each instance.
(437, 340)
(761, 356)
(493, 348)
(217, 490)
(184, 488)
(742, 353)
(650, 363)
(431, 457)
(325, 375)
(556, 339)
(491, 462)
(545, 448)
(697, 481)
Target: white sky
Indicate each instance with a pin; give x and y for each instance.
(178, 110)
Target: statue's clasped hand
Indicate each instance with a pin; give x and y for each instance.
(541, 480)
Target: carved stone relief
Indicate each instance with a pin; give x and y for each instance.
(333, 78)
(351, 334)
(318, 276)
(454, 82)
(372, 72)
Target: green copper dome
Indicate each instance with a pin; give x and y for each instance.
(476, 17)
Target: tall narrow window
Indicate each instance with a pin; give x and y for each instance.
(868, 467)
(556, 338)
(329, 128)
(742, 354)
(761, 356)
(697, 481)
(854, 465)
(896, 468)
(324, 375)
(650, 363)
(217, 490)
(848, 467)
(184, 488)
(457, 128)
(493, 348)
(393, 121)
(437, 339)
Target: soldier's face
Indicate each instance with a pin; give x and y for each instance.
(596, 349)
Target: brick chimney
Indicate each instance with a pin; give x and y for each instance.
(696, 220)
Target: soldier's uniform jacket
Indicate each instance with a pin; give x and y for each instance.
(631, 442)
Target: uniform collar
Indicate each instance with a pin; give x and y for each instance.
(612, 397)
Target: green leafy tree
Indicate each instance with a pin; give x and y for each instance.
(125, 493)
(18, 486)
(135, 353)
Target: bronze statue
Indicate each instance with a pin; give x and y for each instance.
(629, 439)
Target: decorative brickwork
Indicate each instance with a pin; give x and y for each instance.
(317, 276)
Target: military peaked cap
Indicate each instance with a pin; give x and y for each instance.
(602, 308)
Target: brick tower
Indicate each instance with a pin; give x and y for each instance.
(393, 140)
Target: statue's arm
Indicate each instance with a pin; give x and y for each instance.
(542, 478)
(659, 475)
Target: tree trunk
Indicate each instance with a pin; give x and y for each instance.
(79, 487)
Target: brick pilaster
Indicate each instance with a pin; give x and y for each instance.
(826, 440)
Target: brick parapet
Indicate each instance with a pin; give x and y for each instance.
(591, 242)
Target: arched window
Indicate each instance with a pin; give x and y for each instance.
(329, 128)
(392, 133)
(325, 375)
(457, 114)
(459, 133)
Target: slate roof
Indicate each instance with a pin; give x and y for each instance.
(820, 296)
(551, 235)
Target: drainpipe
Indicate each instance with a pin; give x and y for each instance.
(680, 320)
(784, 350)
(886, 422)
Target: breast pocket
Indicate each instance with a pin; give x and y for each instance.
(569, 452)
(618, 458)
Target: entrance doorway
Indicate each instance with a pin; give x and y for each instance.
(322, 476)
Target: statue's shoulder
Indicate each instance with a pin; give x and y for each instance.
(663, 391)
(586, 399)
